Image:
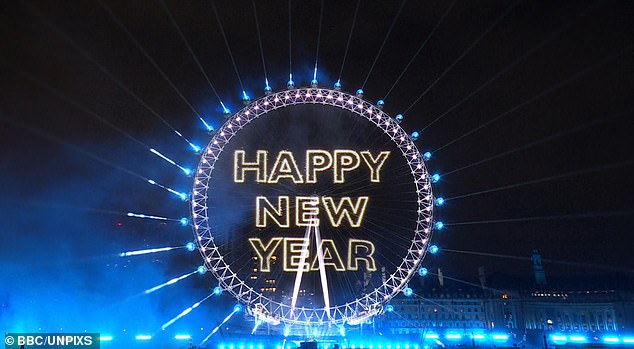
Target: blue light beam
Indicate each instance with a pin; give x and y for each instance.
(182, 196)
(171, 282)
(182, 221)
(185, 170)
(146, 251)
(218, 327)
(184, 313)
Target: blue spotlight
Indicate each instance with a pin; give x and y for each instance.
(245, 96)
(576, 339)
(427, 155)
(435, 178)
(389, 308)
(408, 292)
(609, 340)
(143, 337)
(190, 246)
(195, 147)
(237, 308)
(290, 83)
(207, 126)
(558, 338)
(423, 271)
(629, 340)
(201, 269)
(501, 337)
(313, 83)
(225, 110)
(399, 117)
(380, 103)
(415, 135)
(440, 201)
(182, 336)
(453, 336)
(217, 290)
(337, 85)
(433, 249)
(360, 93)
(105, 338)
(439, 225)
(184, 221)
(478, 336)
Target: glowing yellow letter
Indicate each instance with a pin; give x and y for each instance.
(279, 214)
(316, 160)
(306, 211)
(285, 167)
(343, 209)
(361, 250)
(265, 252)
(293, 250)
(331, 256)
(375, 164)
(345, 160)
(239, 166)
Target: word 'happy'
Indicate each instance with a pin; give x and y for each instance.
(285, 165)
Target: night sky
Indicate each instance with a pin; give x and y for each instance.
(526, 106)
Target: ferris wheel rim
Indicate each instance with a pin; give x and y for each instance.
(360, 309)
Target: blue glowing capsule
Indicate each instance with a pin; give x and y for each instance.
(237, 308)
(408, 292)
(267, 89)
(290, 83)
(433, 249)
(389, 308)
(184, 221)
(217, 290)
(190, 246)
(415, 135)
(201, 269)
(338, 85)
(435, 178)
(427, 155)
(245, 96)
(313, 83)
(360, 93)
(423, 271)
(439, 225)
(380, 103)
(399, 117)
(440, 201)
